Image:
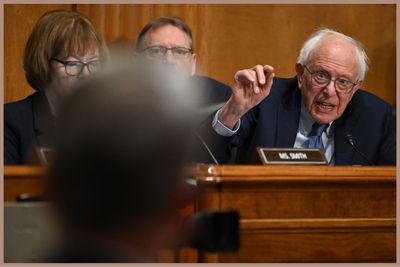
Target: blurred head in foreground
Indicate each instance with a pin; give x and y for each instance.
(117, 174)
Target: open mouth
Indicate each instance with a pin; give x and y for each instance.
(325, 106)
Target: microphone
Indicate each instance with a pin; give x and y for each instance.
(349, 139)
(203, 113)
(207, 148)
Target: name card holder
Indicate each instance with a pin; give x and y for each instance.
(283, 156)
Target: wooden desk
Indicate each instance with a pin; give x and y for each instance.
(304, 213)
(288, 213)
(23, 180)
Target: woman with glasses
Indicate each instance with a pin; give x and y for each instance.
(62, 49)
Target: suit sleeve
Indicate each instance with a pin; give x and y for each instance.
(387, 148)
(11, 140)
(225, 148)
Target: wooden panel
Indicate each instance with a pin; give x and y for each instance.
(18, 23)
(305, 213)
(279, 240)
(187, 255)
(307, 201)
(316, 225)
(209, 199)
(124, 21)
(233, 174)
(23, 180)
(328, 246)
(231, 37)
(240, 36)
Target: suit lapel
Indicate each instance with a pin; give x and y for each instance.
(43, 121)
(343, 150)
(288, 118)
(346, 124)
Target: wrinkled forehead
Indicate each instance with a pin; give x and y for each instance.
(167, 35)
(335, 50)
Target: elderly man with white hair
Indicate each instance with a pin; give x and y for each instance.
(324, 97)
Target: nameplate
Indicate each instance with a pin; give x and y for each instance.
(291, 156)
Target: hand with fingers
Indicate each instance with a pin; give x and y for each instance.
(250, 87)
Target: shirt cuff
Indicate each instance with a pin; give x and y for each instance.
(222, 129)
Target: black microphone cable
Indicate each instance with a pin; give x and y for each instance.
(349, 139)
(207, 148)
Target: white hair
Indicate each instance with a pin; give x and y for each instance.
(316, 37)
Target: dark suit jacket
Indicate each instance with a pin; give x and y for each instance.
(274, 123)
(27, 123)
(211, 90)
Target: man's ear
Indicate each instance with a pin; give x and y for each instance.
(193, 64)
(359, 84)
(356, 87)
(299, 71)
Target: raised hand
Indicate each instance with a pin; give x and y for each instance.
(250, 87)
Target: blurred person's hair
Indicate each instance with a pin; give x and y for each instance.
(121, 145)
(58, 33)
(163, 21)
(122, 50)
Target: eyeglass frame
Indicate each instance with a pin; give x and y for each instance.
(66, 62)
(330, 79)
(189, 51)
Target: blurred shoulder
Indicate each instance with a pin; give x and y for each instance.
(210, 87)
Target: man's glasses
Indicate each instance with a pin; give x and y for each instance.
(322, 79)
(159, 52)
(74, 68)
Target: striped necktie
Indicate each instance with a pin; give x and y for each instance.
(315, 136)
